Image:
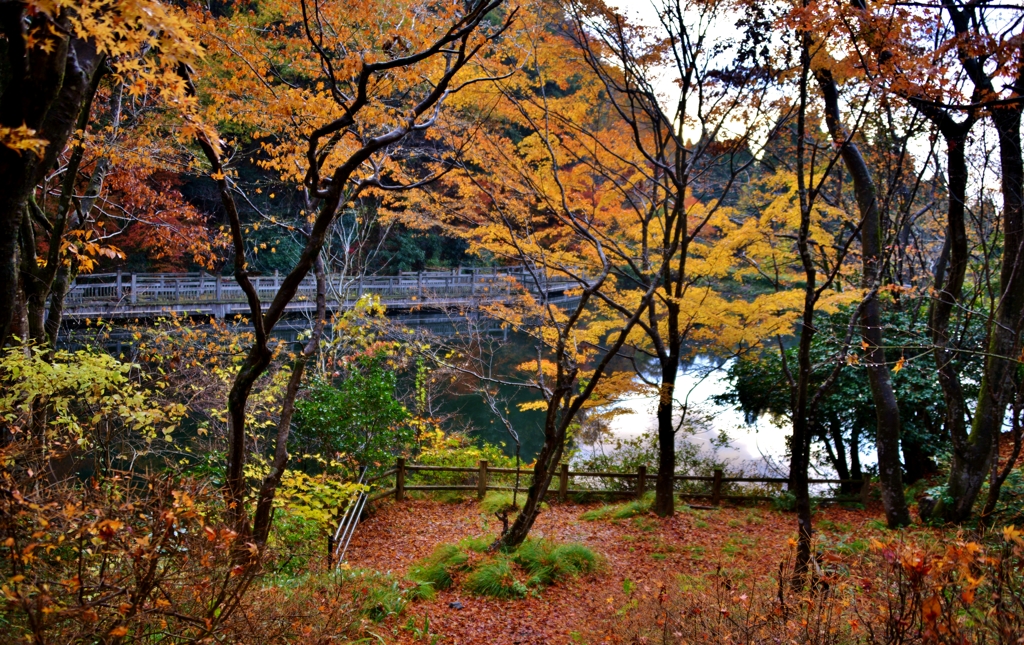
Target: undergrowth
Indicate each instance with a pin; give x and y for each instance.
(435, 572)
(907, 590)
(535, 564)
(622, 511)
(501, 501)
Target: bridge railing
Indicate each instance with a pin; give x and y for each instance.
(200, 288)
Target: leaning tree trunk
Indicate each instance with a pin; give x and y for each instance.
(887, 437)
(972, 459)
(549, 455)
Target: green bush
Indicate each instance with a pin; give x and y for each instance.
(294, 540)
(356, 414)
(456, 450)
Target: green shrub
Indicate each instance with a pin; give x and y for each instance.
(495, 579)
(457, 451)
(293, 541)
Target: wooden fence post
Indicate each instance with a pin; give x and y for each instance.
(481, 480)
(120, 288)
(400, 480)
(716, 488)
(641, 481)
(134, 295)
(865, 489)
(563, 483)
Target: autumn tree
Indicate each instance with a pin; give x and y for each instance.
(689, 148)
(337, 99)
(55, 54)
(976, 49)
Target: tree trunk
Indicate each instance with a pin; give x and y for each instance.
(44, 91)
(972, 458)
(887, 435)
(949, 276)
(550, 453)
(664, 490)
(800, 441)
(263, 517)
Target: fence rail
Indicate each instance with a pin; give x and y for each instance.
(124, 295)
(563, 476)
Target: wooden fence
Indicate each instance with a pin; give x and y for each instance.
(563, 477)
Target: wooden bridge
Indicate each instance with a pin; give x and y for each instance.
(146, 295)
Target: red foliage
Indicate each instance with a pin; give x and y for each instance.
(164, 227)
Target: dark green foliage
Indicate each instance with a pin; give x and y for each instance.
(357, 415)
(759, 386)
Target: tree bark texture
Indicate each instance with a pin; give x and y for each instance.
(972, 457)
(887, 435)
(45, 92)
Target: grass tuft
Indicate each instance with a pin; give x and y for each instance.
(539, 562)
(478, 544)
(495, 579)
(436, 571)
(601, 513)
(623, 511)
(547, 563)
(499, 501)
